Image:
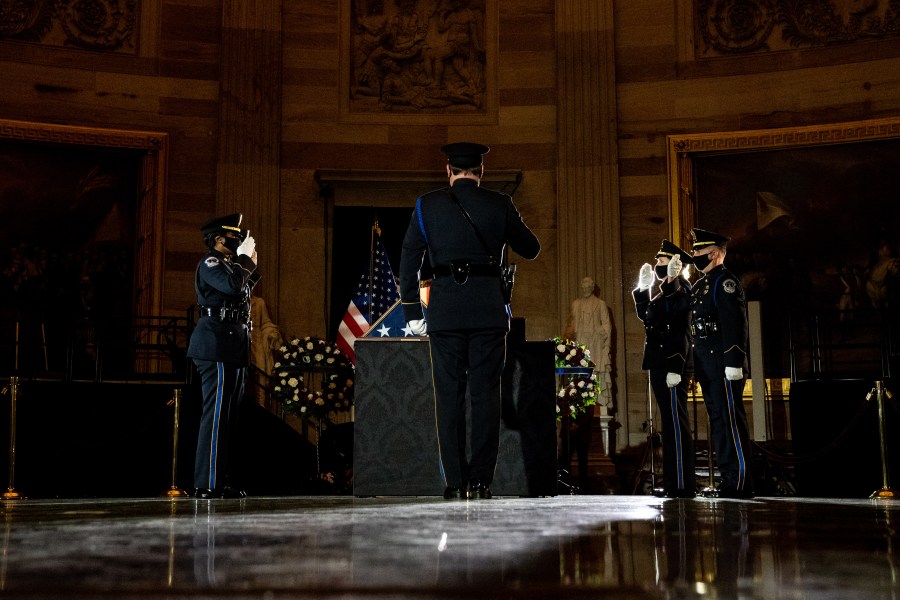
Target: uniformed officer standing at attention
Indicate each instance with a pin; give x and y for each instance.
(667, 347)
(719, 328)
(468, 316)
(220, 346)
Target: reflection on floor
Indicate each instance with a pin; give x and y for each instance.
(565, 546)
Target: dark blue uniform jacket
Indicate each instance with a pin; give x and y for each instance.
(438, 225)
(667, 345)
(718, 297)
(223, 281)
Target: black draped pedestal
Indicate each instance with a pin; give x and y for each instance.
(395, 442)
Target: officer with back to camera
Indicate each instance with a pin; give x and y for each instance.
(220, 346)
(667, 348)
(719, 328)
(468, 317)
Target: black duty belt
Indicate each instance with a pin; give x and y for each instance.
(702, 327)
(477, 270)
(225, 314)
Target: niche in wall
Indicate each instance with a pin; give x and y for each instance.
(355, 199)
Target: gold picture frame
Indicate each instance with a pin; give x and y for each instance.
(812, 214)
(684, 149)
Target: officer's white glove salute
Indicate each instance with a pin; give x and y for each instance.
(674, 268)
(646, 277)
(734, 373)
(418, 326)
(672, 379)
(248, 247)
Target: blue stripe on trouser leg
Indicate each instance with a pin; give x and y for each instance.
(735, 435)
(217, 417)
(679, 458)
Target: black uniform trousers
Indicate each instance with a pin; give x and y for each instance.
(727, 416)
(459, 359)
(678, 443)
(222, 386)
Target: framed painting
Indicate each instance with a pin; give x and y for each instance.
(81, 232)
(814, 221)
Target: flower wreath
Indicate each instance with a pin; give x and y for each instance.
(303, 357)
(579, 390)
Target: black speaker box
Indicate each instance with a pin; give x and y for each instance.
(395, 440)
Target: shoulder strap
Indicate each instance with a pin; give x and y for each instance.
(459, 205)
(421, 220)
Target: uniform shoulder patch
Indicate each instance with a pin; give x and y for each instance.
(730, 286)
(212, 261)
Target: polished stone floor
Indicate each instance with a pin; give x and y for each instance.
(403, 547)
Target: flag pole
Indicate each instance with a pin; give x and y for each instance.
(375, 230)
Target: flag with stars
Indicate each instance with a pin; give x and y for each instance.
(390, 325)
(374, 295)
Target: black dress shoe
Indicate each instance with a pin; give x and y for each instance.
(231, 493)
(732, 493)
(206, 494)
(453, 493)
(680, 493)
(477, 489)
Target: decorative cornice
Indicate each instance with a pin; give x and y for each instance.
(775, 138)
(85, 136)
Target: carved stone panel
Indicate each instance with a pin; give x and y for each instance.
(100, 25)
(738, 27)
(418, 57)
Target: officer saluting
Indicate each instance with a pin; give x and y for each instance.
(667, 347)
(220, 346)
(468, 317)
(719, 328)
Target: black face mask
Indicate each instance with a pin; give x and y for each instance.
(662, 271)
(702, 261)
(232, 244)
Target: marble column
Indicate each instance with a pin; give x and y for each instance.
(248, 170)
(587, 180)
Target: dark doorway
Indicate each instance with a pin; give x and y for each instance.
(350, 255)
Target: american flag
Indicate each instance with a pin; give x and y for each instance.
(375, 293)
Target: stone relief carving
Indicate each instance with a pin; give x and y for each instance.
(732, 27)
(417, 56)
(102, 25)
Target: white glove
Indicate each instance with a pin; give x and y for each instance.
(734, 373)
(672, 379)
(646, 277)
(674, 268)
(418, 326)
(248, 246)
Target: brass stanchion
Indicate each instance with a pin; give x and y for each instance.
(175, 491)
(710, 490)
(885, 493)
(11, 493)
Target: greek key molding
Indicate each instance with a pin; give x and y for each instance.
(85, 136)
